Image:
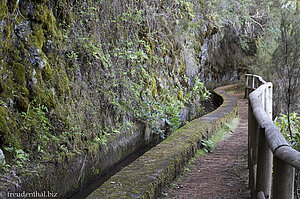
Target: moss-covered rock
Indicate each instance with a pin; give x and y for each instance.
(3, 10)
(6, 125)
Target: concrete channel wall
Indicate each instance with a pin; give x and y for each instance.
(145, 177)
(63, 177)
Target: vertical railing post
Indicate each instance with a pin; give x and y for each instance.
(263, 99)
(267, 100)
(260, 156)
(264, 165)
(252, 150)
(247, 85)
(270, 101)
(283, 184)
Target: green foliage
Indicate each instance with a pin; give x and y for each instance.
(207, 146)
(158, 115)
(196, 94)
(20, 158)
(269, 31)
(278, 53)
(228, 127)
(173, 115)
(200, 90)
(95, 68)
(238, 15)
(282, 123)
(38, 128)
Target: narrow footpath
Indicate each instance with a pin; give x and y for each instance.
(223, 173)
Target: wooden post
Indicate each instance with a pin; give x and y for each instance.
(263, 99)
(252, 150)
(246, 89)
(284, 174)
(270, 102)
(267, 100)
(259, 153)
(264, 165)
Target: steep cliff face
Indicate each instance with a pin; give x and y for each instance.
(74, 72)
(34, 84)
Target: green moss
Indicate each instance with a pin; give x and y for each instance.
(19, 73)
(47, 72)
(153, 87)
(10, 138)
(46, 18)
(6, 83)
(62, 83)
(19, 89)
(22, 103)
(51, 23)
(46, 98)
(38, 39)
(45, 26)
(3, 9)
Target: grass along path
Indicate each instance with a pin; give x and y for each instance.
(221, 173)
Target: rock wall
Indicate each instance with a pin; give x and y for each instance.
(75, 72)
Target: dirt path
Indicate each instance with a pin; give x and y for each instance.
(223, 173)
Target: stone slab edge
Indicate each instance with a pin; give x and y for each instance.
(145, 177)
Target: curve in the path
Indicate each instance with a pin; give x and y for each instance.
(223, 173)
(145, 177)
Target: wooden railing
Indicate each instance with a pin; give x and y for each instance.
(266, 145)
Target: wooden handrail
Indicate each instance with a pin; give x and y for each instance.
(252, 82)
(258, 77)
(266, 144)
